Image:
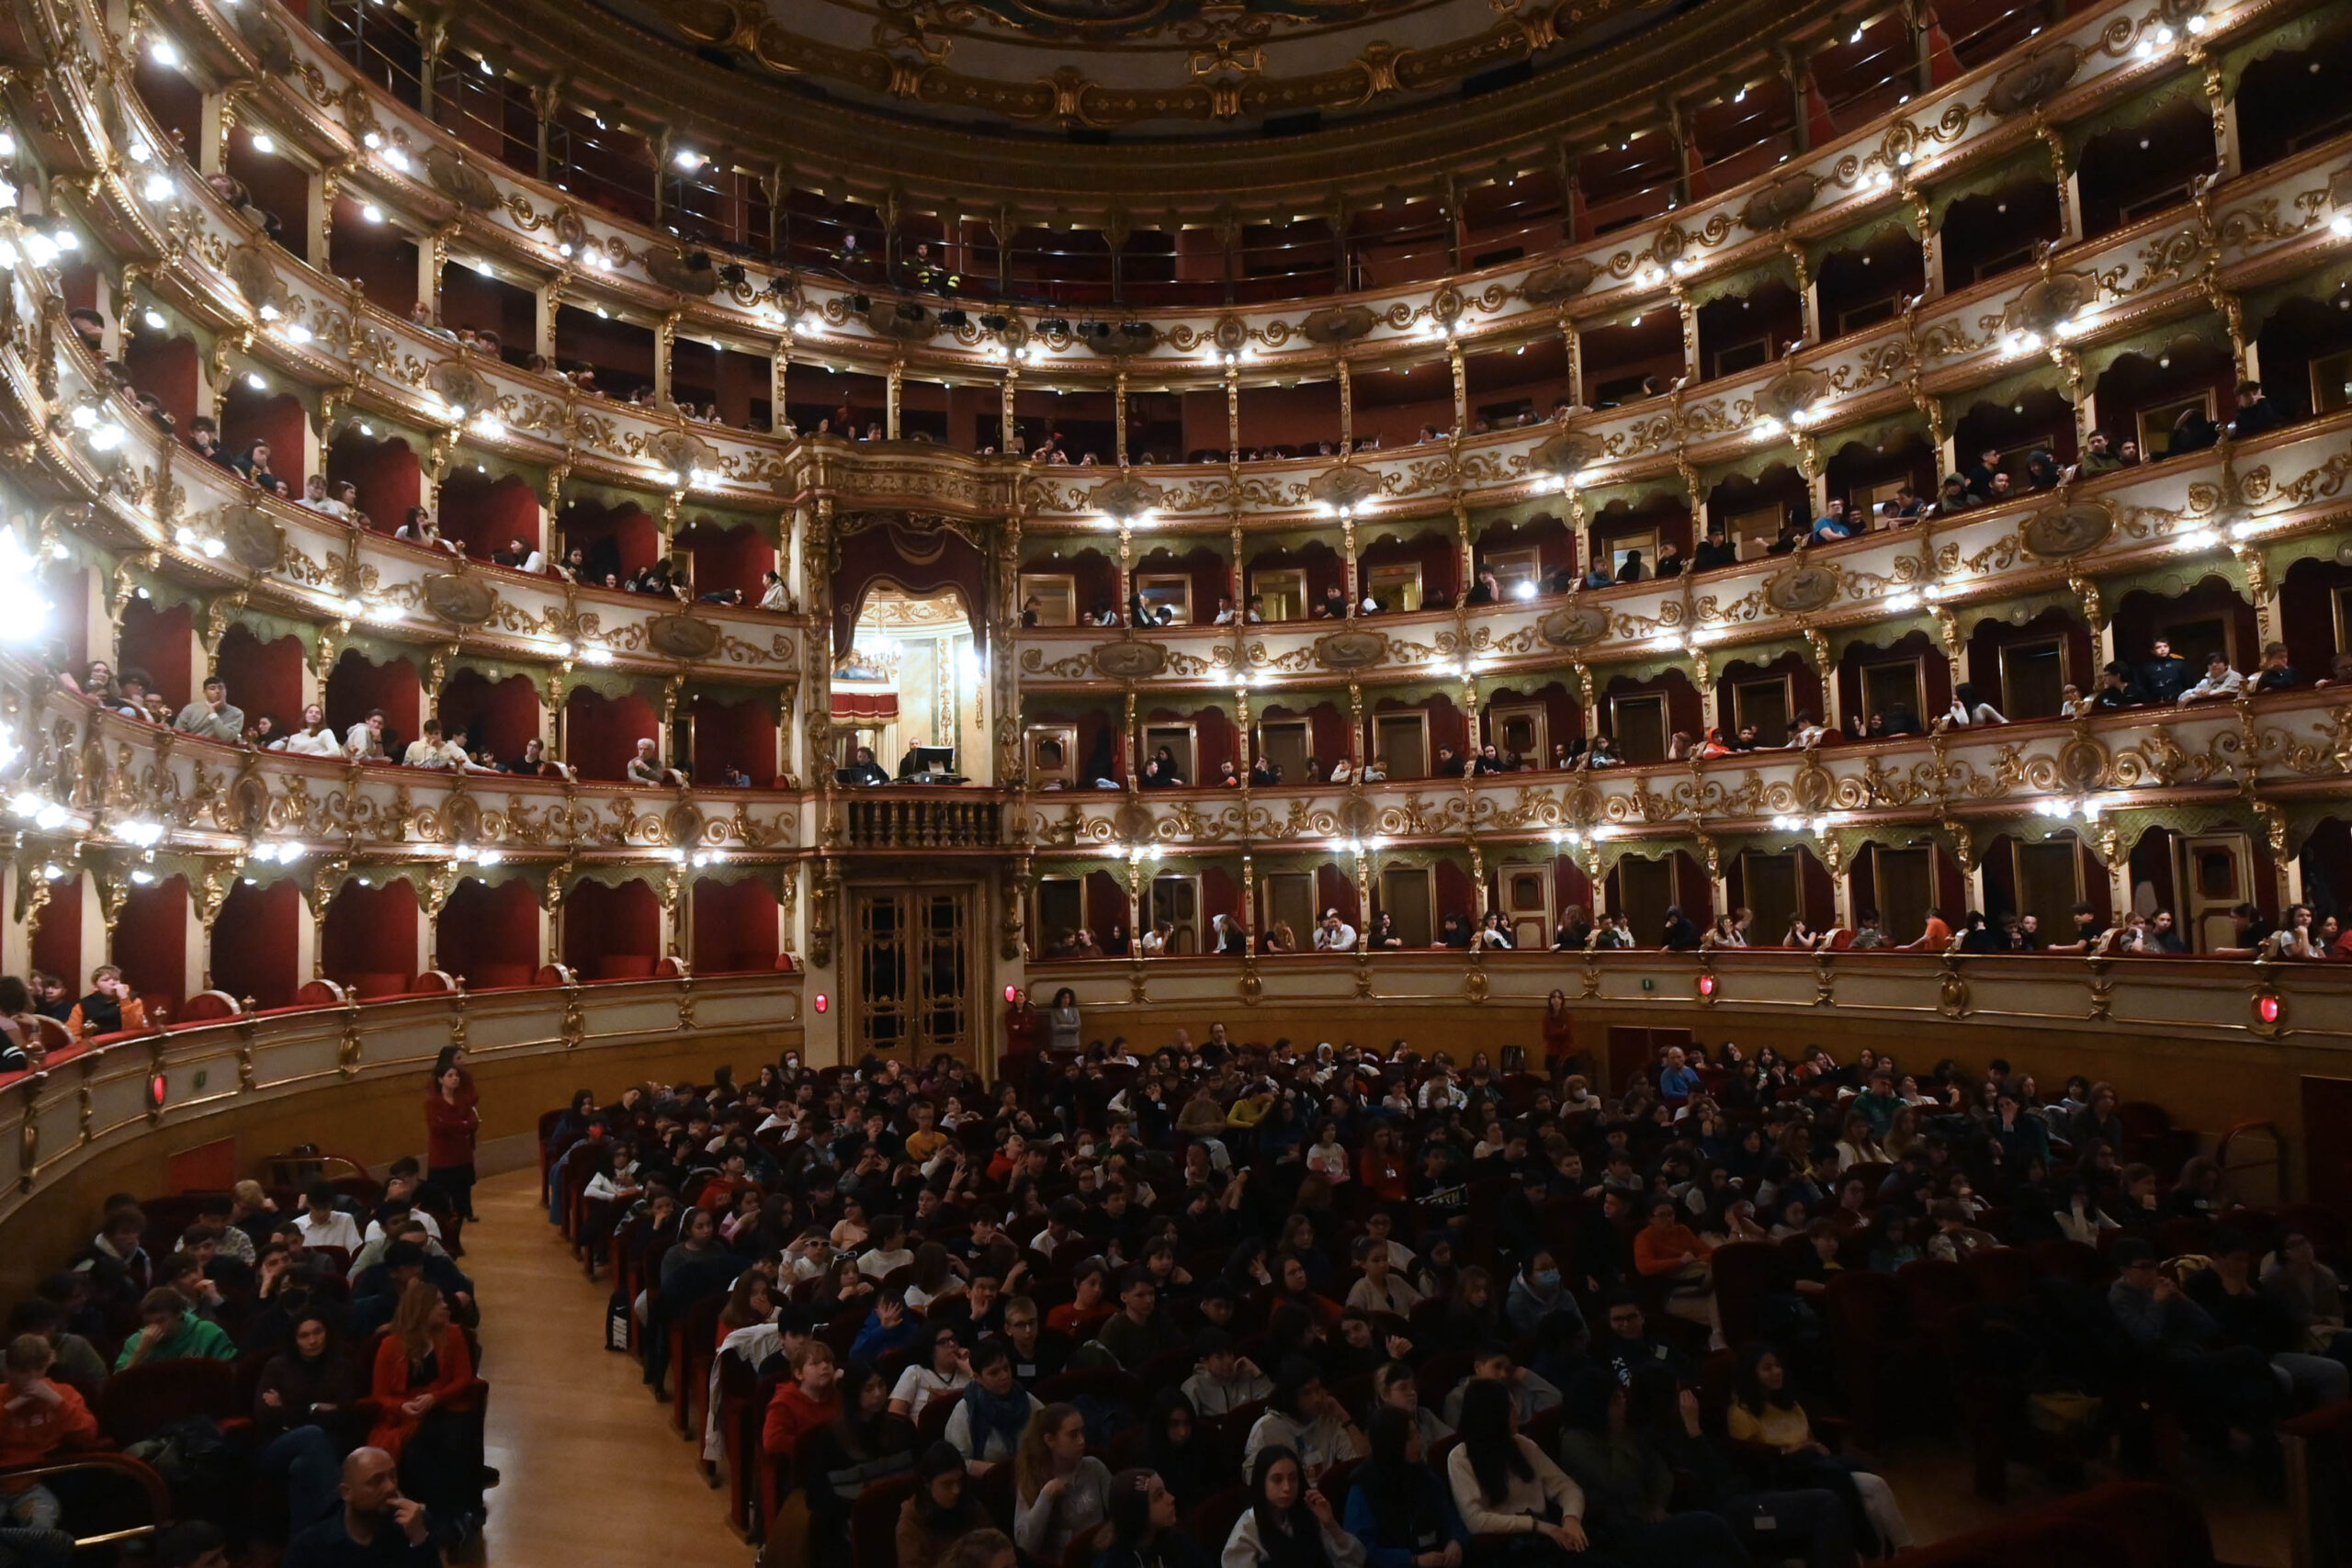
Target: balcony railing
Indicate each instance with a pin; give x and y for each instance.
(899, 819)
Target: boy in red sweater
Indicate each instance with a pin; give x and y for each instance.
(39, 1418)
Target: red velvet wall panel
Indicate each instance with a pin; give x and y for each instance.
(254, 941)
(741, 733)
(612, 933)
(601, 734)
(912, 558)
(356, 684)
(151, 941)
(728, 558)
(159, 640)
(264, 677)
(370, 939)
(1107, 904)
(489, 935)
(1457, 893)
(1204, 566)
(247, 416)
(483, 513)
(57, 945)
(618, 539)
(1335, 888)
(166, 370)
(1438, 555)
(385, 472)
(735, 926)
(496, 716)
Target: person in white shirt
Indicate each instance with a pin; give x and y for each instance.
(323, 1224)
(2221, 681)
(1968, 708)
(420, 529)
(315, 497)
(646, 767)
(1382, 1288)
(1440, 1092)
(888, 1252)
(1154, 940)
(774, 596)
(1334, 935)
(1307, 1418)
(947, 1372)
(430, 750)
(313, 739)
(364, 741)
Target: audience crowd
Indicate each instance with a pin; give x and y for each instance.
(1337, 1307)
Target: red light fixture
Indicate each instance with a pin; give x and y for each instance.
(1706, 985)
(159, 1089)
(1011, 992)
(822, 1001)
(2267, 1007)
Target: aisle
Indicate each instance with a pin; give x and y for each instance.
(591, 1470)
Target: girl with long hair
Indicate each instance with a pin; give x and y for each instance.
(452, 1122)
(422, 1379)
(1504, 1484)
(1144, 1511)
(1062, 1491)
(1764, 1409)
(939, 1512)
(1397, 1507)
(1288, 1523)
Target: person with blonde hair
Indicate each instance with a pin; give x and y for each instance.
(424, 1379)
(1062, 1491)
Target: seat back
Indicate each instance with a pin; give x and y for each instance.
(206, 1006)
(143, 1399)
(1212, 1518)
(873, 1521)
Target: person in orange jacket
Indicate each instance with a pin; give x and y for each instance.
(109, 1008)
(40, 1418)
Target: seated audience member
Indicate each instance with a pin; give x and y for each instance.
(1504, 1484)
(1144, 1534)
(306, 1396)
(1628, 1489)
(1764, 1409)
(863, 1445)
(1062, 1494)
(170, 1331)
(1302, 1416)
(422, 1385)
(42, 1420)
(376, 1525)
(1287, 1521)
(991, 1411)
(939, 1512)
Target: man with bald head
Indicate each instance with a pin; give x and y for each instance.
(376, 1527)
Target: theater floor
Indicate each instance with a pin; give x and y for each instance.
(594, 1471)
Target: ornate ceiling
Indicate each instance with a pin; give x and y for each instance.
(1166, 67)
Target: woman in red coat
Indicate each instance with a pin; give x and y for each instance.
(1022, 1027)
(423, 1386)
(1559, 1032)
(451, 1125)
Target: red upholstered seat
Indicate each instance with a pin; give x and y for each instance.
(624, 966)
(372, 986)
(321, 993)
(207, 1006)
(434, 980)
(555, 975)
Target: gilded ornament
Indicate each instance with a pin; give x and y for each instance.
(2058, 533)
(254, 541)
(2034, 80)
(1351, 649)
(1780, 202)
(467, 183)
(1336, 324)
(1130, 660)
(1556, 281)
(682, 636)
(460, 597)
(1802, 589)
(1574, 626)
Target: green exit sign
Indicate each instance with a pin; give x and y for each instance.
(1648, 984)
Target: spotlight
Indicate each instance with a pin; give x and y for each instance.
(861, 303)
(909, 311)
(954, 320)
(1055, 324)
(996, 321)
(731, 273)
(1135, 329)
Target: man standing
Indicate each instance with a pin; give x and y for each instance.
(213, 718)
(2164, 676)
(376, 1527)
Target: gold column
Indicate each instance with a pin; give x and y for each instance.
(1119, 419)
(1347, 407)
(892, 388)
(1351, 576)
(1575, 342)
(1461, 387)
(1357, 749)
